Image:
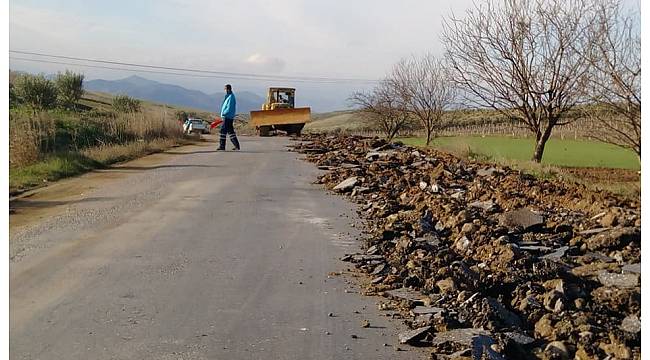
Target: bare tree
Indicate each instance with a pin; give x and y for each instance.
(523, 58)
(382, 105)
(616, 78)
(425, 90)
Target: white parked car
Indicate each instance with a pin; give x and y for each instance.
(208, 129)
(195, 126)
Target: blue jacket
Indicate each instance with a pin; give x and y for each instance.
(228, 107)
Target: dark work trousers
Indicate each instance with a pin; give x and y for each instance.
(228, 128)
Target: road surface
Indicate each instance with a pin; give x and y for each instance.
(191, 254)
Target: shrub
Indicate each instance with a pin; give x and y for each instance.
(36, 91)
(70, 88)
(182, 115)
(126, 104)
(13, 98)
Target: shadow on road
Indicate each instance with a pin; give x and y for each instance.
(228, 151)
(142, 168)
(16, 205)
(188, 153)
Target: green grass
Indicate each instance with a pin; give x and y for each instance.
(52, 168)
(66, 164)
(566, 153)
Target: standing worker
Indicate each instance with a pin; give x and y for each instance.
(228, 111)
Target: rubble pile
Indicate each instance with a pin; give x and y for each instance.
(488, 262)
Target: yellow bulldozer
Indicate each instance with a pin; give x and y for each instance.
(279, 113)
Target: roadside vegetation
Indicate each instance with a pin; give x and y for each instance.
(57, 130)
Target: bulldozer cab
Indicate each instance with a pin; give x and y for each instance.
(280, 98)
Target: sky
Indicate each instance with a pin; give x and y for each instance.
(358, 39)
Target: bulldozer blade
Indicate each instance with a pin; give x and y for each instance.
(280, 117)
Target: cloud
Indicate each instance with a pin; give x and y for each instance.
(58, 31)
(265, 63)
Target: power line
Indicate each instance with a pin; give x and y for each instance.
(105, 67)
(221, 74)
(160, 72)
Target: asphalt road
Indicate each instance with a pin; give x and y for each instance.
(192, 255)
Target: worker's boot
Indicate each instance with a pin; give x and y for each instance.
(222, 140)
(235, 141)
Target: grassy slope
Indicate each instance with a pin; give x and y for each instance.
(570, 153)
(61, 165)
(344, 120)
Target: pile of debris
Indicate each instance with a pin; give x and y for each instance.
(485, 261)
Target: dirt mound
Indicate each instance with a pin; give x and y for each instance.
(485, 261)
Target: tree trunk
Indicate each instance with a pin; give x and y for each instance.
(429, 131)
(540, 143)
(390, 135)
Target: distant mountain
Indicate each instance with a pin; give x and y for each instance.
(146, 89)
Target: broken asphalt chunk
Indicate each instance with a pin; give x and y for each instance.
(485, 205)
(519, 338)
(486, 172)
(632, 268)
(413, 336)
(523, 218)
(621, 281)
(347, 184)
(557, 254)
(366, 258)
(459, 337)
(423, 310)
(631, 324)
(408, 294)
(614, 238)
(482, 348)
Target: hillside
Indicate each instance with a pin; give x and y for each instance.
(102, 101)
(146, 89)
(331, 121)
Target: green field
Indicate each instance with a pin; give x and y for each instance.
(569, 153)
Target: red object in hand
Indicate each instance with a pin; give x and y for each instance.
(215, 123)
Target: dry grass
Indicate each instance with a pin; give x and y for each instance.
(62, 165)
(33, 137)
(628, 190)
(110, 154)
(51, 145)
